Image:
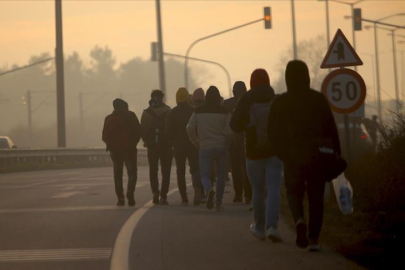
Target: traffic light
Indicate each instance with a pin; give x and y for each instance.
(357, 19)
(267, 18)
(154, 50)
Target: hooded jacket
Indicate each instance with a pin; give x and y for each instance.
(239, 89)
(302, 113)
(158, 107)
(260, 92)
(178, 119)
(198, 97)
(212, 122)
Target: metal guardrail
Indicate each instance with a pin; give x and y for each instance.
(58, 155)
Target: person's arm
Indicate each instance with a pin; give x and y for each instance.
(240, 117)
(145, 123)
(137, 130)
(277, 129)
(191, 127)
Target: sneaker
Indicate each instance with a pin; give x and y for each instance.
(314, 245)
(256, 233)
(210, 200)
(274, 235)
(197, 196)
(219, 207)
(237, 199)
(163, 201)
(156, 198)
(131, 200)
(121, 202)
(302, 240)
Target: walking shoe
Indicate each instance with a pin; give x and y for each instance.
(314, 245)
(131, 200)
(197, 196)
(237, 199)
(219, 207)
(184, 202)
(274, 235)
(203, 199)
(121, 202)
(163, 201)
(156, 198)
(302, 240)
(210, 200)
(256, 233)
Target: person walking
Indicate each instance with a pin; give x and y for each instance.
(198, 97)
(154, 136)
(212, 123)
(121, 134)
(177, 121)
(263, 167)
(301, 123)
(241, 183)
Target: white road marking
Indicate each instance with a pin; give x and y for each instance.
(63, 209)
(66, 194)
(55, 254)
(120, 254)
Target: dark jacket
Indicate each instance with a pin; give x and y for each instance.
(177, 121)
(121, 131)
(147, 118)
(301, 114)
(241, 117)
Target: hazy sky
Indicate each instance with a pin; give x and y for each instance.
(128, 27)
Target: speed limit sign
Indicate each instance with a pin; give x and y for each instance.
(345, 90)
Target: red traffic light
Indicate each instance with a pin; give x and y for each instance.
(267, 18)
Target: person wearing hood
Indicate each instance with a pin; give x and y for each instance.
(297, 120)
(212, 122)
(183, 148)
(121, 134)
(198, 97)
(241, 183)
(154, 136)
(263, 167)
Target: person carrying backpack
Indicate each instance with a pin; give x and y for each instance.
(263, 167)
(121, 134)
(154, 136)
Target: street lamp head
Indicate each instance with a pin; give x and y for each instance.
(368, 27)
(347, 17)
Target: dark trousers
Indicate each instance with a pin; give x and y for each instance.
(181, 154)
(130, 161)
(164, 154)
(297, 182)
(241, 183)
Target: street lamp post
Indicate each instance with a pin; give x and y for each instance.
(160, 44)
(294, 33)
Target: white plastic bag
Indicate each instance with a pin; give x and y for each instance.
(344, 194)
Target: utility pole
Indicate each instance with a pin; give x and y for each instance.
(160, 44)
(295, 53)
(377, 66)
(60, 80)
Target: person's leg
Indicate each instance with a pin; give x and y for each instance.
(153, 158)
(205, 161)
(192, 156)
(220, 158)
(180, 157)
(274, 169)
(118, 165)
(315, 191)
(256, 172)
(166, 157)
(132, 171)
(237, 172)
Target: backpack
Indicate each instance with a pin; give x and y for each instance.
(118, 132)
(156, 134)
(259, 115)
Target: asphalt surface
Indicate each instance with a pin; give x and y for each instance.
(67, 219)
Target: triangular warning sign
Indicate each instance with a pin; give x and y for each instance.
(340, 53)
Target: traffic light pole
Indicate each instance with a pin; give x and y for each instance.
(60, 80)
(204, 38)
(295, 51)
(160, 44)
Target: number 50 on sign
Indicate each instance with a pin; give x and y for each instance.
(345, 90)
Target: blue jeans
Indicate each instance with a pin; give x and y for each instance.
(265, 175)
(207, 157)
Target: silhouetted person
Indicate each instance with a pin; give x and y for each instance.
(121, 134)
(237, 151)
(184, 150)
(159, 147)
(263, 167)
(212, 123)
(301, 120)
(198, 97)
(372, 127)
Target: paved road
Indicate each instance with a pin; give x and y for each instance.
(67, 219)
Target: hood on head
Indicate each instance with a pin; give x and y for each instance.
(120, 105)
(198, 96)
(297, 76)
(239, 89)
(182, 95)
(259, 77)
(213, 95)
